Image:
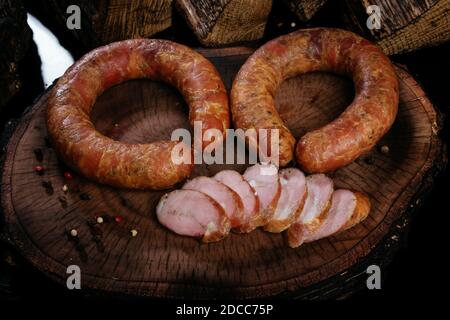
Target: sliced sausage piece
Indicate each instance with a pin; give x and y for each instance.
(227, 198)
(194, 214)
(361, 211)
(291, 202)
(236, 182)
(264, 179)
(347, 209)
(343, 204)
(315, 211)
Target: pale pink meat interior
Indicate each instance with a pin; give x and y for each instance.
(343, 204)
(188, 212)
(320, 189)
(264, 179)
(217, 191)
(235, 181)
(293, 188)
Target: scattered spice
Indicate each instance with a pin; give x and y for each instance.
(96, 233)
(90, 222)
(368, 160)
(107, 218)
(68, 175)
(99, 220)
(384, 149)
(47, 142)
(48, 187)
(98, 241)
(39, 169)
(85, 196)
(134, 232)
(71, 238)
(65, 188)
(118, 219)
(126, 203)
(95, 230)
(38, 154)
(81, 251)
(63, 201)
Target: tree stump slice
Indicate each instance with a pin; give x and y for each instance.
(159, 263)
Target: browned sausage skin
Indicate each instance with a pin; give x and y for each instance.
(355, 131)
(142, 166)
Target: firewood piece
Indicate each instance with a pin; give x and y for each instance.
(15, 37)
(305, 9)
(223, 22)
(405, 25)
(107, 21)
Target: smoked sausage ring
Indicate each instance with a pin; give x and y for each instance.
(355, 131)
(138, 166)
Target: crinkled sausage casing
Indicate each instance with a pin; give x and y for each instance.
(141, 166)
(355, 131)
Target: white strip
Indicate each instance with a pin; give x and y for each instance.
(54, 58)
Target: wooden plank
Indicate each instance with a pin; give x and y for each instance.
(405, 25)
(225, 22)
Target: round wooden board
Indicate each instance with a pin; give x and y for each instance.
(159, 263)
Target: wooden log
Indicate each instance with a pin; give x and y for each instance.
(305, 9)
(159, 263)
(106, 21)
(15, 37)
(225, 22)
(405, 25)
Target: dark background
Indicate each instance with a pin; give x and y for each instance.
(419, 267)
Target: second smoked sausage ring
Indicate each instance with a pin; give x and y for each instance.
(140, 166)
(355, 131)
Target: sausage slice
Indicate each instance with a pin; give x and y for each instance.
(264, 179)
(225, 197)
(292, 199)
(194, 214)
(315, 210)
(347, 209)
(236, 182)
(343, 204)
(361, 211)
